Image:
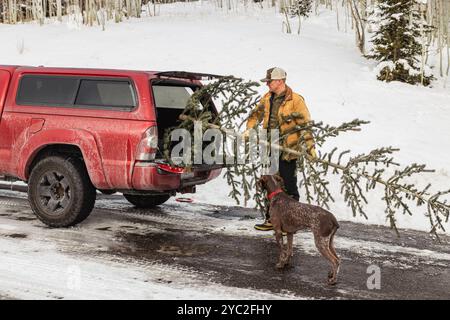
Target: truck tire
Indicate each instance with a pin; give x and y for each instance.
(60, 191)
(146, 201)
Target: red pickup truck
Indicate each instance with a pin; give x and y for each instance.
(69, 132)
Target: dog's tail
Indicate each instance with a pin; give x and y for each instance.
(334, 220)
(328, 223)
(336, 223)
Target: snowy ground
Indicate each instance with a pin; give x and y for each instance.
(42, 263)
(184, 251)
(323, 65)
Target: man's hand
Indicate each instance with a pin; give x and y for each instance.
(312, 155)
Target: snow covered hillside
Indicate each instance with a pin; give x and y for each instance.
(322, 63)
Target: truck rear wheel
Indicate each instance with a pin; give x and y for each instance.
(60, 191)
(146, 201)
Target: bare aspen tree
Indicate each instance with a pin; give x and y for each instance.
(38, 11)
(444, 27)
(101, 8)
(111, 10)
(133, 12)
(12, 10)
(86, 16)
(438, 16)
(128, 8)
(286, 23)
(437, 34)
(83, 12)
(358, 24)
(299, 24)
(2, 12)
(59, 10)
(446, 18)
(282, 6)
(49, 8)
(149, 9)
(424, 50)
(92, 12)
(337, 15)
(117, 11)
(345, 4)
(139, 8)
(29, 13)
(9, 11)
(89, 8)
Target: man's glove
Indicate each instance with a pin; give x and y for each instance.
(312, 154)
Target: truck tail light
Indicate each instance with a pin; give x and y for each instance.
(148, 146)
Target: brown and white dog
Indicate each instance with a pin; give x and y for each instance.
(288, 215)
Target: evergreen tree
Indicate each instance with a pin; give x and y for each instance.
(300, 8)
(397, 42)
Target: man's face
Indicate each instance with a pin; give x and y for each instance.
(274, 85)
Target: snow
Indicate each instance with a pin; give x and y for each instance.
(323, 65)
(74, 263)
(396, 16)
(41, 272)
(64, 264)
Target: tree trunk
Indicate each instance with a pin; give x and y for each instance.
(359, 26)
(59, 10)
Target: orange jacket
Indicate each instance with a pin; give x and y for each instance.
(292, 112)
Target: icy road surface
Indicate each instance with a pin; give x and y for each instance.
(195, 251)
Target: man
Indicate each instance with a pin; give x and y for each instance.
(283, 109)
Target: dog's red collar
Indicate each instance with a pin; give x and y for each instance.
(273, 194)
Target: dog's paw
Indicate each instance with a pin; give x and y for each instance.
(332, 281)
(279, 266)
(289, 266)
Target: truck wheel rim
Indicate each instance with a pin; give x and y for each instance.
(54, 192)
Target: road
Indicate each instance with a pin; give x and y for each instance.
(199, 251)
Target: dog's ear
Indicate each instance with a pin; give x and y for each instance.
(261, 183)
(279, 179)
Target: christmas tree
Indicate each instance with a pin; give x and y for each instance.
(359, 174)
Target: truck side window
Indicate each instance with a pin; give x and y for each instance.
(47, 90)
(106, 93)
(171, 97)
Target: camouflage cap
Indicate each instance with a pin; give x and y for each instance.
(274, 74)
